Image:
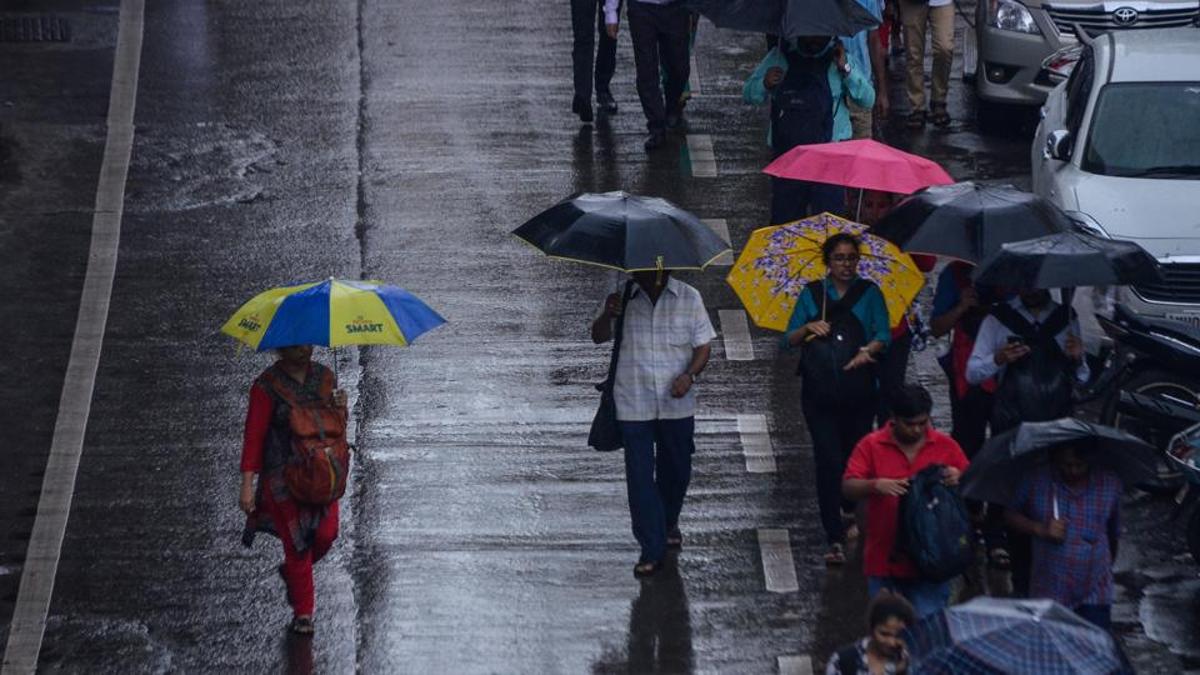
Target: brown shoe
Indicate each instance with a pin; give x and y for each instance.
(939, 116)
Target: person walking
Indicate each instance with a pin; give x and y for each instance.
(661, 32)
(593, 47)
(935, 18)
(882, 650)
(879, 471)
(807, 81)
(664, 347)
(307, 531)
(842, 324)
(866, 55)
(1072, 512)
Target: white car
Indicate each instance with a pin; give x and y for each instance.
(1119, 144)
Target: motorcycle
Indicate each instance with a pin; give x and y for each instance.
(1150, 384)
(1185, 454)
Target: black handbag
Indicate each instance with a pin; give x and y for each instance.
(605, 435)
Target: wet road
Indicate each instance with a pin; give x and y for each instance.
(403, 141)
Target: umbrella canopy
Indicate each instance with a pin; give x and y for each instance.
(999, 466)
(625, 232)
(779, 260)
(1068, 259)
(998, 635)
(788, 18)
(331, 313)
(862, 163)
(969, 221)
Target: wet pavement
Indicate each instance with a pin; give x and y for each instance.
(403, 141)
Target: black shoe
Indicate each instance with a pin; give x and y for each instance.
(655, 141)
(606, 103)
(583, 108)
(674, 121)
(647, 568)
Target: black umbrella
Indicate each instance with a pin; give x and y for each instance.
(1068, 259)
(625, 232)
(969, 221)
(1004, 459)
(788, 18)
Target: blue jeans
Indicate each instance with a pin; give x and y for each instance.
(658, 468)
(926, 597)
(1100, 615)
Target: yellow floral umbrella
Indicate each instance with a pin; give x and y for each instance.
(779, 260)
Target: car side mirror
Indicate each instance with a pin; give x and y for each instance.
(1058, 145)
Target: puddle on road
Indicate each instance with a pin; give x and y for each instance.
(1170, 614)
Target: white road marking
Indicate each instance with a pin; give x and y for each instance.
(779, 569)
(735, 329)
(694, 77)
(795, 665)
(58, 486)
(756, 443)
(721, 227)
(701, 155)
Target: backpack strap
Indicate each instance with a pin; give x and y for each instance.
(1013, 321)
(618, 335)
(843, 305)
(1056, 323)
(849, 659)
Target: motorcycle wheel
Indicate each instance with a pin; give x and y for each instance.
(1153, 382)
(1193, 535)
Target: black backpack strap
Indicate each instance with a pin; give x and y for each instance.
(849, 660)
(1013, 321)
(1056, 323)
(843, 305)
(618, 334)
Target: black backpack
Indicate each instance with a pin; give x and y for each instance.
(1039, 387)
(823, 359)
(802, 106)
(934, 529)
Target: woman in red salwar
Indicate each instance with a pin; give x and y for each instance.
(307, 531)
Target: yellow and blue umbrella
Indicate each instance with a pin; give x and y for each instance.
(332, 313)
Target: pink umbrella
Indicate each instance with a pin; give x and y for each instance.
(863, 164)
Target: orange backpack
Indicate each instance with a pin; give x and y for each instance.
(316, 472)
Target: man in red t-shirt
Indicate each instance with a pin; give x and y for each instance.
(878, 471)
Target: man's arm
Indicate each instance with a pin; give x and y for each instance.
(602, 327)
(982, 364)
(683, 383)
(611, 19)
(754, 91)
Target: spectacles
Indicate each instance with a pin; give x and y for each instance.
(853, 258)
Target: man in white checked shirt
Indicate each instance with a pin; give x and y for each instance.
(664, 347)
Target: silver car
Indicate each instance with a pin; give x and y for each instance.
(1119, 144)
(1011, 38)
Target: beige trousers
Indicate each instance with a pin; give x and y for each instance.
(917, 16)
(861, 121)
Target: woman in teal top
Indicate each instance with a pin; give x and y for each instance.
(836, 428)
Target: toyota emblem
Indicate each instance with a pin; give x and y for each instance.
(1125, 16)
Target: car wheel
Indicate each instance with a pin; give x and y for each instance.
(991, 118)
(1154, 383)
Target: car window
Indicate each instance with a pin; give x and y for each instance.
(1145, 129)
(1079, 88)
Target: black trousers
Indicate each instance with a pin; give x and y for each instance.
(660, 36)
(835, 432)
(587, 25)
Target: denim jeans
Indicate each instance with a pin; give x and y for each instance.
(1100, 615)
(926, 597)
(658, 468)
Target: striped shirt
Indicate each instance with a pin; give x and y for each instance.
(1079, 570)
(656, 348)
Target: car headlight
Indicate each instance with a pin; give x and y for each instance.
(1011, 15)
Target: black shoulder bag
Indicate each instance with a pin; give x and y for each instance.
(605, 435)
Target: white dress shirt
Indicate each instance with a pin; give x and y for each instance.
(993, 337)
(656, 348)
(612, 6)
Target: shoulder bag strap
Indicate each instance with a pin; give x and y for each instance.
(618, 334)
(1012, 320)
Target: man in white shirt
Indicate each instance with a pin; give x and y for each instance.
(1031, 345)
(657, 28)
(664, 346)
(917, 15)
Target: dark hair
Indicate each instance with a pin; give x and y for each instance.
(910, 400)
(834, 241)
(888, 605)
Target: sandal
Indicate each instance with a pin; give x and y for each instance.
(916, 120)
(675, 539)
(998, 559)
(646, 569)
(852, 532)
(939, 116)
(836, 557)
(302, 625)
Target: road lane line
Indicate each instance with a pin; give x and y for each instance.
(694, 77)
(779, 569)
(756, 443)
(735, 330)
(701, 155)
(721, 227)
(795, 665)
(58, 485)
